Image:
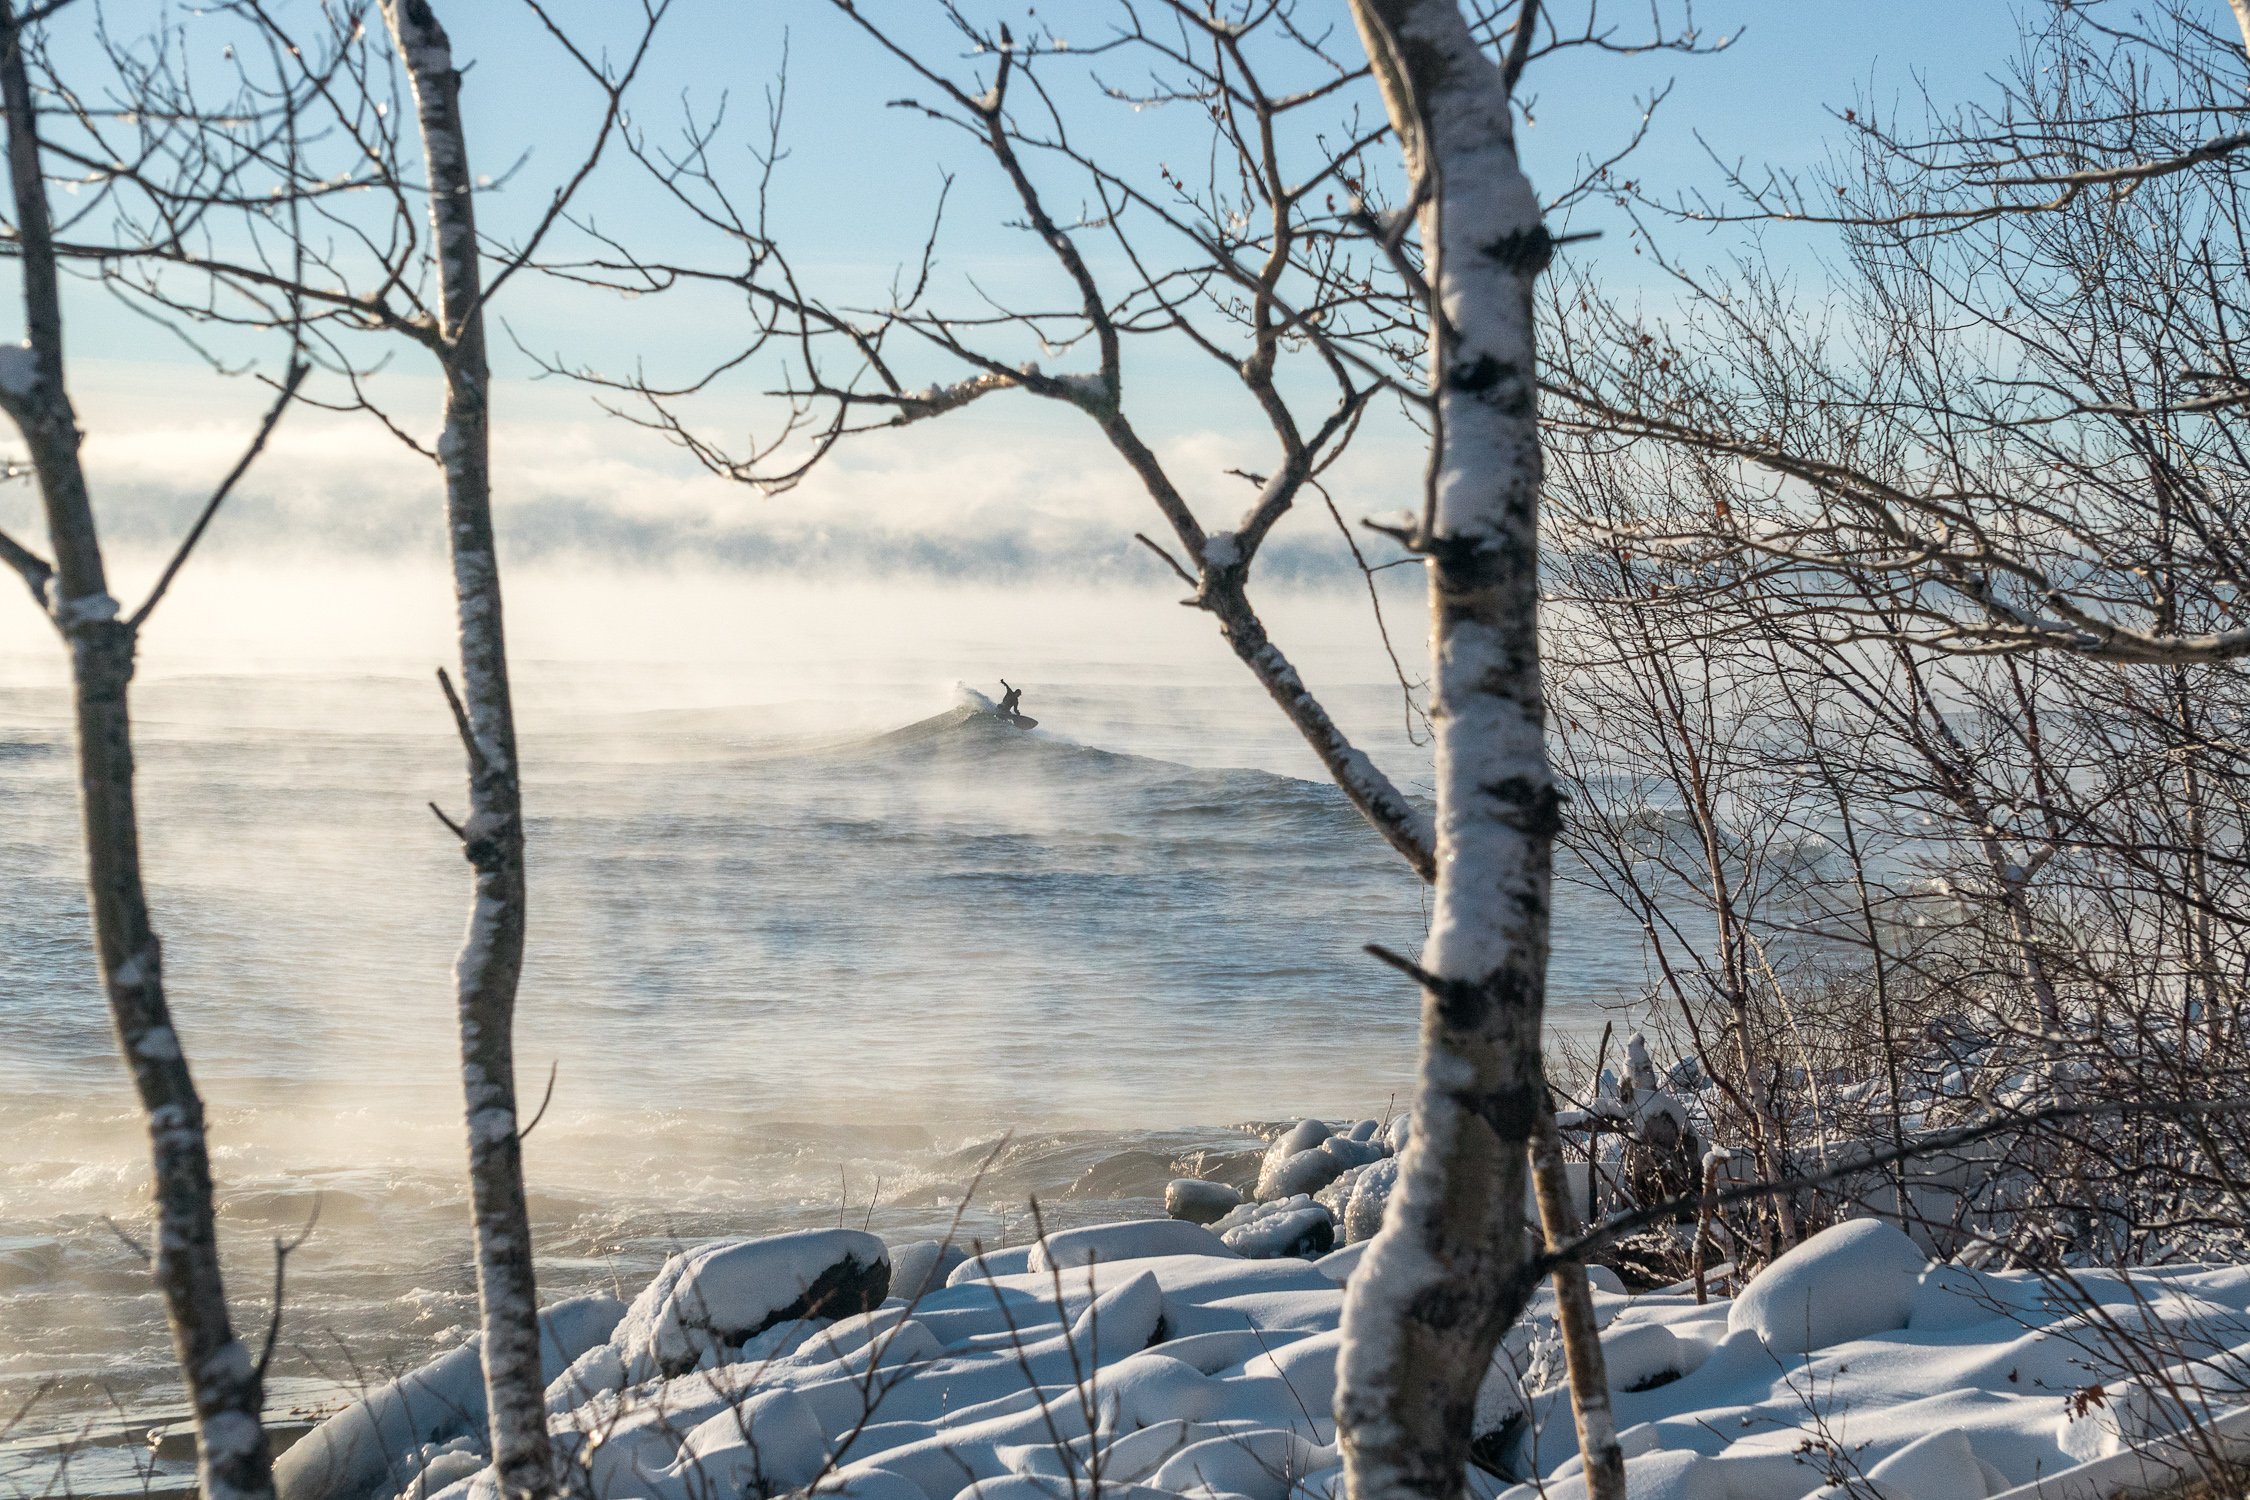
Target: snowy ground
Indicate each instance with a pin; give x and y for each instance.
(1157, 1357)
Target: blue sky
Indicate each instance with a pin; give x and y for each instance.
(1012, 482)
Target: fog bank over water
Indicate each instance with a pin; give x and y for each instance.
(716, 842)
(747, 886)
(803, 932)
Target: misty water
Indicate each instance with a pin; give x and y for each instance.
(808, 940)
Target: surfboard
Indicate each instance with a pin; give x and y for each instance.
(1023, 721)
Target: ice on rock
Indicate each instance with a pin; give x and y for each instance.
(1135, 1239)
(1294, 1228)
(1371, 1195)
(1306, 1136)
(1302, 1136)
(1198, 1201)
(1338, 1194)
(720, 1295)
(1306, 1172)
(1846, 1282)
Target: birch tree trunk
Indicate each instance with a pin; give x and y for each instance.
(1590, 1408)
(1451, 1268)
(225, 1384)
(492, 836)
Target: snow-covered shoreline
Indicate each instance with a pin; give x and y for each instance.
(1162, 1357)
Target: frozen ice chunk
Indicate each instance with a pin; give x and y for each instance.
(1199, 1202)
(1293, 1227)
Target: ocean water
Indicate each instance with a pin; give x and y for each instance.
(809, 940)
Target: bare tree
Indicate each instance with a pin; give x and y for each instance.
(1258, 267)
(359, 239)
(1445, 1277)
(491, 836)
(225, 1381)
(1287, 253)
(2014, 422)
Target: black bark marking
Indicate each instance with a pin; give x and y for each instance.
(1510, 1112)
(1476, 376)
(1526, 252)
(1537, 803)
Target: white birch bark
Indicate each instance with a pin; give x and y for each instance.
(1451, 1268)
(491, 957)
(225, 1385)
(1590, 1407)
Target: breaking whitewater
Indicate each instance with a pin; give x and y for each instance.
(817, 1263)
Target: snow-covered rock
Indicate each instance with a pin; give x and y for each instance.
(423, 1415)
(768, 1443)
(1854, 1279)
(1290, 1166)
(1939, 1466)
(985, 1264)
(719, 1295)
(1208, 1376)
(920, 1265)
(1646, 1354)
(1135, 1239)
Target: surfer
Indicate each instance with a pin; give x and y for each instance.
(1007, 709)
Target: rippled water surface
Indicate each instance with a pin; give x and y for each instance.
(806, 942)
